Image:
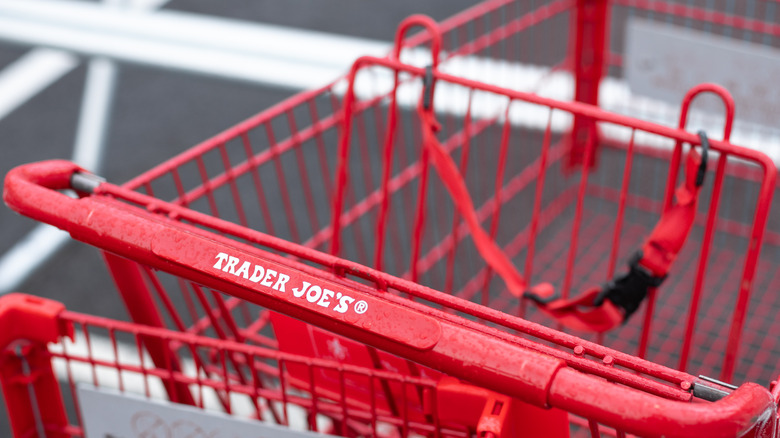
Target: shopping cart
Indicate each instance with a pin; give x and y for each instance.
(336, 208)
(115, 389)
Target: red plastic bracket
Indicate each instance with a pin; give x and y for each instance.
(30, 388)
(496, 415)
(32, 318)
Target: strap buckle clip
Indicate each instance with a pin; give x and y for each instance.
(629, 290)
(705, 147)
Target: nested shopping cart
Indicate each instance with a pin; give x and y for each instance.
(98, 359)
(437, 213)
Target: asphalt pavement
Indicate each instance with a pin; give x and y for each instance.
(157, 114)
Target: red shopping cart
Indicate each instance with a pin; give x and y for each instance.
(359, 209)
(102, 369)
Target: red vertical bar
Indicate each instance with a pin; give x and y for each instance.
(28, 415)
(709, 231)
(286, 200)
(763, 205)
(342, 190)
(419, 218)
(342, 170)
(143, 310)
(613, 254)
(594, 429)
(539, 193)
(387, 166)
(587, 47)
(204, 176)
(315, 118)
(251, 157)
(575, 230)
(647, 323)
(179, 188)
(363, 143)
(231, 175)
(497, 201)
(304, 172)
(464, 163)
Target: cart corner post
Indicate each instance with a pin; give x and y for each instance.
(588, 50)
(31, 390)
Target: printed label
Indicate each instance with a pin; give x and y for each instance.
(313, 293)
(110, 414)
(272, 283)
(664, 61)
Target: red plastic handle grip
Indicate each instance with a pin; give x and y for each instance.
(750, 407)
(32, 190)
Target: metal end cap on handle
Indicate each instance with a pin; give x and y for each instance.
(85, 182)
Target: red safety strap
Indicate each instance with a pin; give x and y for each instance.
(599, 308)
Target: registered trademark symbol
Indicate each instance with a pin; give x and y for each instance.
(361, 307)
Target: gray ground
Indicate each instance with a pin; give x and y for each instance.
(158, 114)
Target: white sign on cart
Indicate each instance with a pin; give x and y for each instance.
(108, 413)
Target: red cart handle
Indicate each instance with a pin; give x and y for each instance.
(32, 191)
(477, 356)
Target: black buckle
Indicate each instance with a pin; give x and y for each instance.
(705, 147)
(629, 290)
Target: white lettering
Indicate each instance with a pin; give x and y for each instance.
(327, 293)
(344, 303)
(313, 294)
(244, 270)
(268, 280)
(258, 274)
(231, 265)
(281, 281)
(278, 281)
(221, 257)
(302, 291)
